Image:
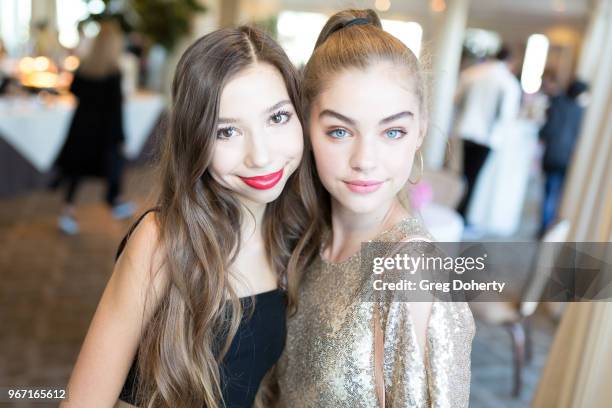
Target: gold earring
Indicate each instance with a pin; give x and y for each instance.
(420, 175)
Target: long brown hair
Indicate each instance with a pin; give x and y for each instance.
(103, 58)
(344, 43)
(199, 222)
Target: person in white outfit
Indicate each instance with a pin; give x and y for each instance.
(487, 93)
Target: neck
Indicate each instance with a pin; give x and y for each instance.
(350, 229)
(252, 220)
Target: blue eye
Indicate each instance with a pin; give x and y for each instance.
(394, 133)
(338, 133)
(226, 133)
(280, 117)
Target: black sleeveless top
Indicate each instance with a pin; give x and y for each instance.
(256, 347)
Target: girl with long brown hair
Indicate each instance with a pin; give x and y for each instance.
(195, 305)
(366, 117)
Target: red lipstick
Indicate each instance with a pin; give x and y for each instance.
(264, 182)
(363, 186)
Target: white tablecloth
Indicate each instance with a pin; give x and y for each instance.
(497, 201)
(38, 130)
(443, 223)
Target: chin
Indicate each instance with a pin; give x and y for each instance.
(362, 205)
(264, 196)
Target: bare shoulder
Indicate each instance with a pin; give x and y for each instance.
(133, 292)
(142, 260)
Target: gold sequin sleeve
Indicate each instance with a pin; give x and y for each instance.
(438, 376)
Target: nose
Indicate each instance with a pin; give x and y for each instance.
(363, 155)
(258, 154)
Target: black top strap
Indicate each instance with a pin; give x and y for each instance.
(132, 228)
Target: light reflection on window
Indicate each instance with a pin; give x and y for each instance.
(15, 16)
(408, 32)
(69, 13)
(534, 63)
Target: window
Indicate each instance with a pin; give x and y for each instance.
(408, 32)
(298, 32)
(15, 16)
(69, 13)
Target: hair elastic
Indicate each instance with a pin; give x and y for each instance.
(355, 21)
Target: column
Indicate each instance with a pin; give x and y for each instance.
(593, 39)
(44, 10)
(588, 165)
(450, 27)
(579, 364)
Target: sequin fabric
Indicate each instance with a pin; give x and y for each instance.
(329, 354)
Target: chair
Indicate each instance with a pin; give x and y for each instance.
(516, 317)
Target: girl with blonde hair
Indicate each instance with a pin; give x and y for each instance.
(366, 117)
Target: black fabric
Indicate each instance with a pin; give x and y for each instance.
(256, 347)
(96, 130)
(559, 133)
(474, 157)
(4, 83)
(115, 165)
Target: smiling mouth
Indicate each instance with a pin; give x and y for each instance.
(363, 186)
(263, 182)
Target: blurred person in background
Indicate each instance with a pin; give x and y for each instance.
(95, 140)
(535, 105)
(487, 93)
(558, 135)
(550, 84)
(85, 43)
(4, 78)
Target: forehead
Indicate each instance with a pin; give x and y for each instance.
(381, 89)
(258, 85)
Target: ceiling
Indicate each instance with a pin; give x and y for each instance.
(518, 10)
(514, 20)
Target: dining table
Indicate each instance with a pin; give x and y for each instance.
(33, 129)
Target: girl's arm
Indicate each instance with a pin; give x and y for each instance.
(113, 336)
(427, 346)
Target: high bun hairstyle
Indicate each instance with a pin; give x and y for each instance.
(355, 39)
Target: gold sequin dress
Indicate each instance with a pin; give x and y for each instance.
(329, 354)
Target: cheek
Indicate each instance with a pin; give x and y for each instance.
(226, 157)
(399, 160)
(327, 157)
(291, 144)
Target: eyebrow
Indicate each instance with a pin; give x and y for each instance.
(277, 105)
(396, 116)
(271, 109)
(334, 114)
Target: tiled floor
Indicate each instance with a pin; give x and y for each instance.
(492, 364)
(50, 285)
